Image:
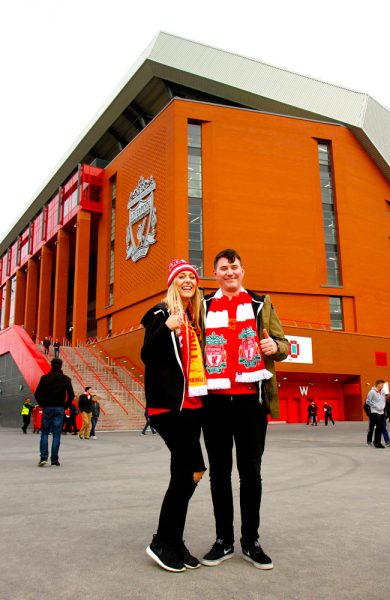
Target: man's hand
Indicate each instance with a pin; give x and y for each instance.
(268, 345)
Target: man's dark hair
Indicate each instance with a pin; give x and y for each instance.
(87, 388)
(56, 364)
(230, 254)
(379, 381)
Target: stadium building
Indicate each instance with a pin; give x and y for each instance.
(198, 150)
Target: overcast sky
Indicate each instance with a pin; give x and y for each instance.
(61, 59)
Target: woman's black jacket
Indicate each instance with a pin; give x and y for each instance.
(164, 377)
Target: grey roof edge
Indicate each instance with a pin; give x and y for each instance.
(255, 60)
(158, 54)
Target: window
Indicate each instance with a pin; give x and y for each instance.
(195, 201)
(336, 313)
(112, 244)
(329, 215)
(12, 301)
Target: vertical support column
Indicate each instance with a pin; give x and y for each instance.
(61, 285)
(81, 275)
(43, 325)
(30, 311)
(7, 303)
(20, 297)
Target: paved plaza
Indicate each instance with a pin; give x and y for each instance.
(79, 531)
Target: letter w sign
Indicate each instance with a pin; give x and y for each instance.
(304, 389)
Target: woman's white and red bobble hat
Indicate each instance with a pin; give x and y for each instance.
(177, 266)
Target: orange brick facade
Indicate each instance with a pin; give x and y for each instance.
(262, 196)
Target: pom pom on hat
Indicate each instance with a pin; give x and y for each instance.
(177, 266)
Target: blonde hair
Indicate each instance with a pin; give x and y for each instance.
(175, 304)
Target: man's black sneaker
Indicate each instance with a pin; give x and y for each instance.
(218, 553)
(255, 554)
(189, 561)
(378, 445)
(42, 463)
(165, 556)
(56, 463)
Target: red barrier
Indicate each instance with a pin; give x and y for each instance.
(26, 355)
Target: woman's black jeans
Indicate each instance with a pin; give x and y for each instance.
(181, 433)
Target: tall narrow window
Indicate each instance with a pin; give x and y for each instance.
(329, 214)
(336, 313)
(195, 202)
(112, 244)
(12, 301)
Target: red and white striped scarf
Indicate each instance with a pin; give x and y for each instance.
(237, 341)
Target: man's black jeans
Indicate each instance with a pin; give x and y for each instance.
(375, 422)
(180, 432)
(243, 419)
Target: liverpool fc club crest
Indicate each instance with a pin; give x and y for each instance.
(141, 230)
(215, 353)
(249, 352)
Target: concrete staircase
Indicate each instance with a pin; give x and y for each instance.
(121, 397)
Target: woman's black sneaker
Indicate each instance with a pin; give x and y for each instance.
(255, 554)
(165, 556)
(189, 561)
(218, 553)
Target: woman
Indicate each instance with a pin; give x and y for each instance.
(174, 383)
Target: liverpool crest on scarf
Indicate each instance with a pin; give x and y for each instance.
(232, 345)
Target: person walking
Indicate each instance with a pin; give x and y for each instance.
(328, 413)
(376, 401)
(312, 410)
(147, 424)
(46, 345)
(243, 338)
(56, 348)
(85, 408)
(73, 412)
(95, 416)
(174, 384)
(26, 412)
(54, 394)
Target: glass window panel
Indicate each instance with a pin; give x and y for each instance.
(336, 313)
(194, 135)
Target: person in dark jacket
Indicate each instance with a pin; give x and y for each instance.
(174, 383)
(73, 412)
(26, 412)
(328, 413)
(85, 408)
(147, 423)
(46, 345)
(54, 394)
(95, 416)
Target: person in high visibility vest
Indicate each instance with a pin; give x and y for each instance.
(26, 411)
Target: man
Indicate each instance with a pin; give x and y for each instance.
(243, 338)
(26, 411)
(376, 401)
(56, 347)
(328, 413)
(312, 410)
(95, 416)
(73, 412)
(54, 394)
(46, 345)
(85, 408)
